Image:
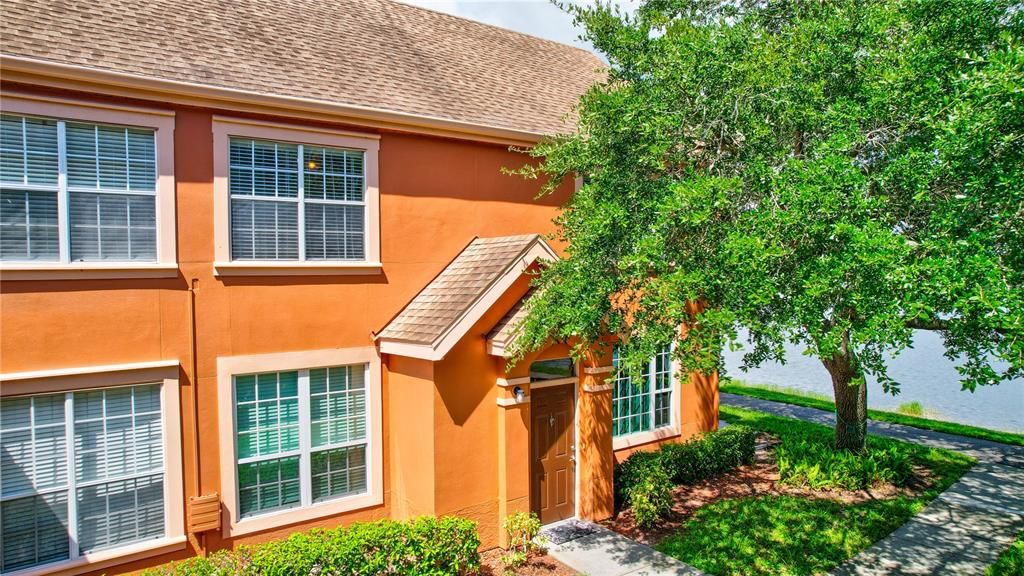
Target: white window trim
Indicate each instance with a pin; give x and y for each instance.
(230, 366)
(93, 377)
(223, 129)
(162, 122)
(671, 430)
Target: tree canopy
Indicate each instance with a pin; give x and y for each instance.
(833, 173)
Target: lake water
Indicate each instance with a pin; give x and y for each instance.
(925, 375)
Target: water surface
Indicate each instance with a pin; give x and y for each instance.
(925, 375)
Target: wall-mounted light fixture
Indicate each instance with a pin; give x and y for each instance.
(520, 394)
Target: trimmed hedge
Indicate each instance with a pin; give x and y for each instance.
(425, 546)
(644, 480)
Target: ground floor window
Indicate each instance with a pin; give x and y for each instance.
(80, 472)
(301, 437)
(644, 403)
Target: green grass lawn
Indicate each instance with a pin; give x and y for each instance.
(1010, 562)
(788, 535)
(822, 402)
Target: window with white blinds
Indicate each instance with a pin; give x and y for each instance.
(644, 403)
(76, 192)
(302, 437)
(296, 201)
(79, 472)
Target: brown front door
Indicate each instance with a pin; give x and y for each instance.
(552, 465)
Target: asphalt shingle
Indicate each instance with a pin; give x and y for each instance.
(456, 288)
(378, 54)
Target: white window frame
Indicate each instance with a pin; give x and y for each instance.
(231, 366)
(162, 123)
(306, 449)
(656, 433)
(70, 380)
(225, 128)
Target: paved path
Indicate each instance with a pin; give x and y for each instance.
(597, 551)
(963, 530)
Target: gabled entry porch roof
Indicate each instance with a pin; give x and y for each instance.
(445, 310)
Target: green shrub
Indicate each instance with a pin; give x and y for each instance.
(815, 463)
(650, 493)
(424, 546)
(709, 455)
(523, 530)
(689, 462)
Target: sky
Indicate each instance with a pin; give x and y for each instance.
(537, 17)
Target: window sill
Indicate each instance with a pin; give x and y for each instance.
(107, 558)
(278, 519)
(85, 271)
(265, 268)
(641, 438)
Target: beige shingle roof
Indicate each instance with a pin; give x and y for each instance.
(454, 291)
(378, 54)
(506, 328)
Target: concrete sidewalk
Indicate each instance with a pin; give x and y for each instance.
(597, 551)
(962, 531)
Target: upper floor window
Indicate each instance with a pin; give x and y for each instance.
(645, 403)
(296, 201)
(76, 192)
(293, 199)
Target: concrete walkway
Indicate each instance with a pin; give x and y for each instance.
(597, 551)
(962, 531)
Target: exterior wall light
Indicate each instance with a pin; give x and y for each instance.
(520, 394)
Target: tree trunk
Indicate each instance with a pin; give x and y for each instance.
(851, 397)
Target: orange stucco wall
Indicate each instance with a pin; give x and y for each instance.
(449, 448)
(436, 195)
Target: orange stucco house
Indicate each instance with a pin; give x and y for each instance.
(259, 267)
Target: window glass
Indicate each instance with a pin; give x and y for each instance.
(114, 488)
(276, 442)
(109, 184)
(268, 211)
(643, 403)
(552, 369)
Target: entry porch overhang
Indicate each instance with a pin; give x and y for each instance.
(453, 302)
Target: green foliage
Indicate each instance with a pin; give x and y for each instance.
(794, 536)
(831, 173)
(523, 530)
(709, 454)
(945, 465)
(644, 481)
(425, 546)
(1011, 561)
(911, 409)
(801, 398)
(514, 560)
(815, 464)
(649, 491)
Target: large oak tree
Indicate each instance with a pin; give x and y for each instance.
(832, 173)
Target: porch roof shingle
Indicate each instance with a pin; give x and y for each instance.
(442, 302)
(376, 54)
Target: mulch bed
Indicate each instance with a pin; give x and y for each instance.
(539, 564)
(758, 479)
